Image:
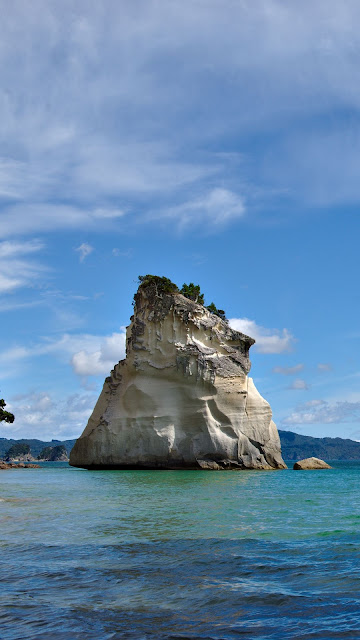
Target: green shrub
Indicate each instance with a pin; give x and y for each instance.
(5, 415)
(218, 312)
(192, 291)
(160, 284)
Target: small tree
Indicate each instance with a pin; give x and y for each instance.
(218, 312)
(160, 284)
(5, 415)
(192, 291)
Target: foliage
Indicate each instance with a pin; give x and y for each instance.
(45, 453)
(160, 284)
(5, 415)
(18, 449)
(295, 447)
(218, 312)
(192, 291)
(36, 446)
(52, 453)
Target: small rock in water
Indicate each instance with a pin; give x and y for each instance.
(311, 463)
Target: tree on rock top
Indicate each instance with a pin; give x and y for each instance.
(160, 284)
(192, 291)
(218, 312)
(5, 415)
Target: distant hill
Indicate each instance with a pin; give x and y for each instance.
(36, 446)
(295, 447)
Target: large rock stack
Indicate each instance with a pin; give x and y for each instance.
(182, 398)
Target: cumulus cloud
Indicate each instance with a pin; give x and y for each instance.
(323, 412)
(39, 414)
(16, 271)
(84, 250)
(89, 355)
(100, 360)
(267, 340)
(289, 371)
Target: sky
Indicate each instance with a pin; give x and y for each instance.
(212, 141)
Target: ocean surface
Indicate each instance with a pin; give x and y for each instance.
(179, 554)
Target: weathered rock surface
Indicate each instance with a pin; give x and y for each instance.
(311, 463)
(181, 398)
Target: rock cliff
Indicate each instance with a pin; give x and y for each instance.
(182, 398)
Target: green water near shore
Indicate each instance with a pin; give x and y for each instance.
(165, 554)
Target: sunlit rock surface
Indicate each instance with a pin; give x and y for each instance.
(181, 398)
(311, 463)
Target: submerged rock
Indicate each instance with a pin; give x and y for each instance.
(20, 465)
(181, 398)
(311, 463)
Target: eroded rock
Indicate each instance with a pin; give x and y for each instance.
(181, 398)
(311, 463)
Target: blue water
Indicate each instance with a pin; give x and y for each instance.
(170, 554)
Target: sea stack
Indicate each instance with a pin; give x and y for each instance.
(182, 398)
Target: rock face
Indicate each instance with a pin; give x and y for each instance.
(181, 398)
(311, 463)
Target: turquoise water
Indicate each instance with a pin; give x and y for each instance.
(171, 554)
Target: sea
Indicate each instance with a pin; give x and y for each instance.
(210, 555)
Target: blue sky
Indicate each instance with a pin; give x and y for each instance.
(215, 142)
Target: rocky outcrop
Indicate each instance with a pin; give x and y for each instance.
(311, 463)
(182, 398)
(53, 454)
(21, 465)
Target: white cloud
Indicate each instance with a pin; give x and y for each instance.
(23, 219)
(89, 354)
(100, 360)
(84, 250)
(299, 384)
(267, 340)
(39, 414)
(218, 207)
(15, 270)
(324, 412)
(166, 106)
(289, 371)
(324, 366)
(124, 254)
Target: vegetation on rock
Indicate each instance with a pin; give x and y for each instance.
(295, 446)
(52, 454)
(218, 312)
(17, 450)
(5, 415)
(162, 285)
(36, 446)
(192, 291)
